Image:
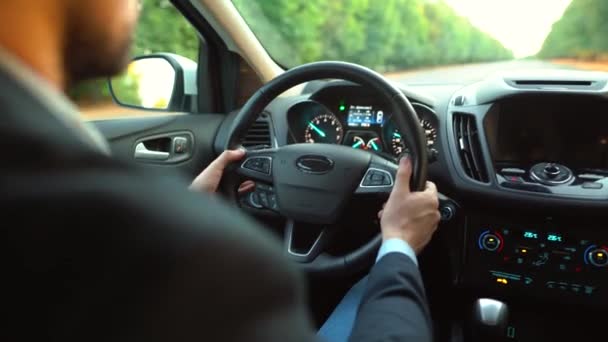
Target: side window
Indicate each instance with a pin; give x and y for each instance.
(147, 83)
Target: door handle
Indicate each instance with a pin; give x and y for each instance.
(141, 152)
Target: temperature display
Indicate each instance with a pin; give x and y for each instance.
(554, 238)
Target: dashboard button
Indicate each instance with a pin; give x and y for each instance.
(490, 242)
(590, 176)
(513, 171)
(598, 257)
(592, 185)
(515, 179)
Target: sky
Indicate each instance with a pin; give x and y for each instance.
(520, 25)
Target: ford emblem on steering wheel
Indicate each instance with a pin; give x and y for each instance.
(315, 164)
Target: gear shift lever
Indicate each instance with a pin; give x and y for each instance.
(490, 318)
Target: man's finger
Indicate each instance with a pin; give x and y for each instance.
(246, 186)
(402, 181)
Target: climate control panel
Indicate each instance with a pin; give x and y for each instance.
(539, 259)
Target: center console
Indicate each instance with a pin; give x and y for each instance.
(542, 259)
(551, 145)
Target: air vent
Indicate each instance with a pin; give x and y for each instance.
(469, 147)
(554, 83)
(259, 134)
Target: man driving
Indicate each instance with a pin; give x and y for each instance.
(101, 250)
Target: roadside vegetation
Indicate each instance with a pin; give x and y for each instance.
(388, 35)
(580, 34)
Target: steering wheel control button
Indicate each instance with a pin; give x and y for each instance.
(264, 199)
(592, 185)
(272, 201)
(254, 200)
(598, 257)
(377, 178)
(258, 164)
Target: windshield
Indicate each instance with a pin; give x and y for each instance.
(393, 36)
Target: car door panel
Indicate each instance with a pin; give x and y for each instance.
(170, 143)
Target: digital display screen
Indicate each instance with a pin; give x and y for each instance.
(569, 131)
(551, 237)
(555, 238)
(364, 116)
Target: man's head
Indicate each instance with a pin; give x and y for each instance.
(97, 36)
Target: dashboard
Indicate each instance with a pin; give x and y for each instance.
(361, 122)
(525, 157)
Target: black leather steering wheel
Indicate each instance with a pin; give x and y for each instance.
(313, 182)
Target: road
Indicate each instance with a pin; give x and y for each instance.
(469, 73)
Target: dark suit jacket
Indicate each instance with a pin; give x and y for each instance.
(97, 249)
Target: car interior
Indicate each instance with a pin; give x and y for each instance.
(520, 159)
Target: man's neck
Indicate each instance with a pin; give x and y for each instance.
(42, 50)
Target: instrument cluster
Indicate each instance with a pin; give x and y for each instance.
(364, 126)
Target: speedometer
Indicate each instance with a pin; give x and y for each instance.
(397, 144)
(324, 128)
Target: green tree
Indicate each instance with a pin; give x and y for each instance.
(384, 35)
(580, 33)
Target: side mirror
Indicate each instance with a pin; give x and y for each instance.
(163, 82)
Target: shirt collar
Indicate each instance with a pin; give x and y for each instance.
(54, 100)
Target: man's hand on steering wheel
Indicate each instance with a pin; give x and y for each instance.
(209, 179)
(410, 216)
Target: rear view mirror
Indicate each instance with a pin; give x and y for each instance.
(156, 82)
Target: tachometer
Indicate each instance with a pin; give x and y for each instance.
(430, 131)
(324, 128)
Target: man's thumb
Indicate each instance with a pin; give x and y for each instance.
(230, 156)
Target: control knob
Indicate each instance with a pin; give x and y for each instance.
(552, 170)
(598, 257)
(491, 242)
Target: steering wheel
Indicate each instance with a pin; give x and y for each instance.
(312, 183)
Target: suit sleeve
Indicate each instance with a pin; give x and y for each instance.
(112, 257)
(394, 306)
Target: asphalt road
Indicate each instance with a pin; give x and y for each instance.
(469, 73)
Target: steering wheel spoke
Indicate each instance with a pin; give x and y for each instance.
(310, 249)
